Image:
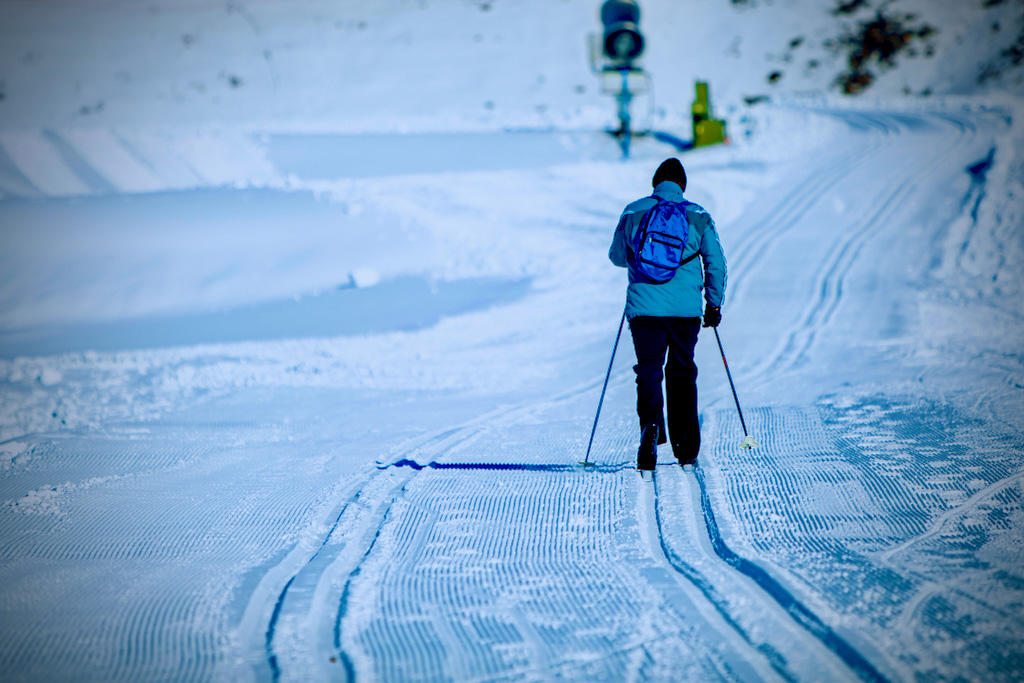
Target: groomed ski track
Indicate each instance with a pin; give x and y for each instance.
(487, 567)
(479, 551)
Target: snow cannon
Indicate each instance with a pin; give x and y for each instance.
(706, 130)
(622, 41)
(612, 56)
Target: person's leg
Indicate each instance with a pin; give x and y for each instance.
(681, 387)
(650, 339)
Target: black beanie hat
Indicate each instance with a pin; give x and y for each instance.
(670, 169)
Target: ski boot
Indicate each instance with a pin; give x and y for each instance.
(647, 455)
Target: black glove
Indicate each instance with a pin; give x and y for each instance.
(712, 316)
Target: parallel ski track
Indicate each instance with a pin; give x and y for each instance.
(435, 447)
(800, 612)
(499, 584)
(354, 527)
(801, 615)
(709, 591)
(829, 285)
(275, 668)
(777, 218)
(426, 457)
(831, 272)
(416, 520)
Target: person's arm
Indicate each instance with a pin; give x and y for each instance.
(715, 269)
(619, 249)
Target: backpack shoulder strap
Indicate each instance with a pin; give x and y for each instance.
(641, 227)
(687, 204)
(647, 213)
(689, 258)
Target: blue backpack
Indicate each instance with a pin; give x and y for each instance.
(657, 249)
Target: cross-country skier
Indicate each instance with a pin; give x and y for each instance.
(667, 316)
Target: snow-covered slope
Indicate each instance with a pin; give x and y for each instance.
(139, 97)
(399, 65)
(305, 310)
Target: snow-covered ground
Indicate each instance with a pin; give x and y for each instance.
(305, 310)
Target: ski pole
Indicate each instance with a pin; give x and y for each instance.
(748, 441)
(586, 461)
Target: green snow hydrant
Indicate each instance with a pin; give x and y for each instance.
(706, 130)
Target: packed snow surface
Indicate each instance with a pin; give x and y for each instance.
(305, 310)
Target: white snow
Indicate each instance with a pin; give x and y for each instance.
(305, 307)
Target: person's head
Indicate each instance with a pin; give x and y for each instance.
(670, 169)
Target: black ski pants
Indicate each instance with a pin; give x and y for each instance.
(652, 337)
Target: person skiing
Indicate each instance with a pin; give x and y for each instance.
(666, 316)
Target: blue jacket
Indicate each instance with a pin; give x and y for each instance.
(680, 296)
